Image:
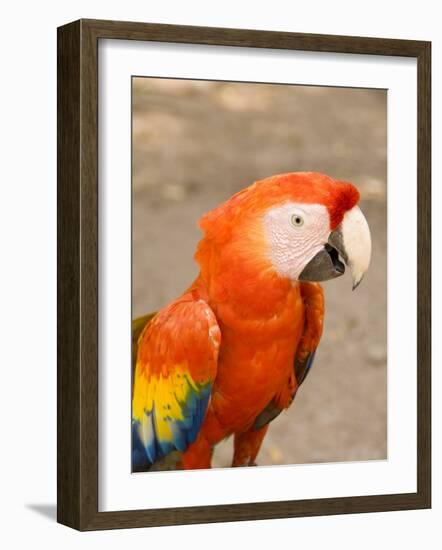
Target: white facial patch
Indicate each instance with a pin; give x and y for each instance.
(295, 233)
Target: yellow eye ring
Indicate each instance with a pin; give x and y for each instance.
(297, 220)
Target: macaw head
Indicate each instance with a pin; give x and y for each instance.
(301, 223)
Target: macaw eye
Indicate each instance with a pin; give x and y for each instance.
(297, 220)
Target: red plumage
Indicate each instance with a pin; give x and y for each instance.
(269, 325)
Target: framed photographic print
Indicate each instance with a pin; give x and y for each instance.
(243, 274)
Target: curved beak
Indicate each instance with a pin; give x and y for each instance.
(352, 241)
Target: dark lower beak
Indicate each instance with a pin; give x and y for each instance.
(351, 241)
(324, 266)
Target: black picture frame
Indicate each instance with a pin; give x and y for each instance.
(77, 225)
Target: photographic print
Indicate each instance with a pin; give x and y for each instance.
(225, 268)
(259, 274)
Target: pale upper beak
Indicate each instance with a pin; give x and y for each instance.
(352, 241)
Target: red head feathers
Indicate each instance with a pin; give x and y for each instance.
(300, 187)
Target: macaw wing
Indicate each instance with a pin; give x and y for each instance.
(175, 369)
(313, 298)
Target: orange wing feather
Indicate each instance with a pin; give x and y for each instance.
(175, 368)
(313, 298)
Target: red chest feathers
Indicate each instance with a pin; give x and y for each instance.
(256, 359)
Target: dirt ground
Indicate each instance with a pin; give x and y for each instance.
(194, 145)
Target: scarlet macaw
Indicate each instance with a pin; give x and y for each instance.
(229, 355)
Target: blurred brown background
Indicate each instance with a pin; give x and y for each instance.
(197, 143)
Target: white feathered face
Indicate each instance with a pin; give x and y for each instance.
(295, 234)
(301, 245)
